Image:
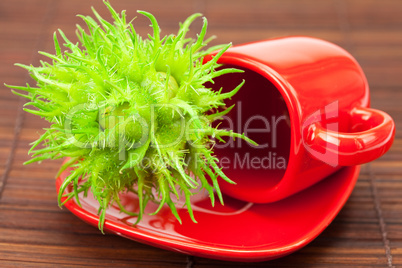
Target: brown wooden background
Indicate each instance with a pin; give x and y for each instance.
(35, 232)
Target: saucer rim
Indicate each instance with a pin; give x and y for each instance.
(206, 250)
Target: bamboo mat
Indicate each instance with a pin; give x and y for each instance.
(35, 232)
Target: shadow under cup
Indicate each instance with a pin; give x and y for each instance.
(261, 113)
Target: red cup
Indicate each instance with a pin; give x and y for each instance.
(305, 101)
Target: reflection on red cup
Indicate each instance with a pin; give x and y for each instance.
(306, 103)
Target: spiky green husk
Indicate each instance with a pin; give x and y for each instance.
(133, 114)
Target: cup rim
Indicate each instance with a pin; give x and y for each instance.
(288, 93)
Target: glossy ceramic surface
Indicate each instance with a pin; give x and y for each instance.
(322, 93)
(237, 231)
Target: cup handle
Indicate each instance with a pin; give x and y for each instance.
(371, 136)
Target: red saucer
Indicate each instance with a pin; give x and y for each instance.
(237, 231)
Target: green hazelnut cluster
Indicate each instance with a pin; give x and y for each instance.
(131, 114)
